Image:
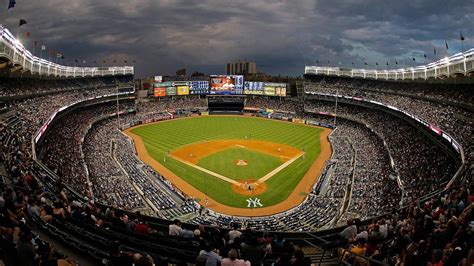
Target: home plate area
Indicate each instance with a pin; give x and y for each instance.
(249, 187)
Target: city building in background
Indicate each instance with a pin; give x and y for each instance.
(241, 67)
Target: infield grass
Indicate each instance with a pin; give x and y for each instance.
(224, 163)
(164, 137)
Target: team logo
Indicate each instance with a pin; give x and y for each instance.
(254, 203)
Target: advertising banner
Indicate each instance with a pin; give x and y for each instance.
(183, 90)
(170, 91)
(159, 92)
(275, 89)
(269, 91)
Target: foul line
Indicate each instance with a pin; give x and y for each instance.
(279, 168)
(261, 180)
(206, 171)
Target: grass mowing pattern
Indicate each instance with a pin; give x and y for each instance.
(259, 164)
(164, 137)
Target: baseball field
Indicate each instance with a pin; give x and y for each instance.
(237, 165)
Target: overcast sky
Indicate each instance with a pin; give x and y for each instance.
(280, 36)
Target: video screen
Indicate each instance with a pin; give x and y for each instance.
(227, 84)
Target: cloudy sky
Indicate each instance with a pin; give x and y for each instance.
(280, 36)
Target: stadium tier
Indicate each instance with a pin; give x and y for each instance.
(91, 165)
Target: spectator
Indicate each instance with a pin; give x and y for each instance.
(234, 233)
(175, 228)
(232, 260)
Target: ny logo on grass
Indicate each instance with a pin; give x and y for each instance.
(253, 203)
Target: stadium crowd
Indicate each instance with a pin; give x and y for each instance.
(370, 175)
(24, 87)
(436, 232)
(448, 107)
(422, 166)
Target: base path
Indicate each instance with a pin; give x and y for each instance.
(279, 168)
(225, 178)
(293, 200)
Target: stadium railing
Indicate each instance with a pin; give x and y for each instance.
(13, 50)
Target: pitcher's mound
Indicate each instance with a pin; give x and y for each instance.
(249, 187)
(241, 162)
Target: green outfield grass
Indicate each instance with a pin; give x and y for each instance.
(259, 164)
(164, 137)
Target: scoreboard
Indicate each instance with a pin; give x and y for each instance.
(220, 85)
(199, 87)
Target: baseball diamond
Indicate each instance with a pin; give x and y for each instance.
(200, 156)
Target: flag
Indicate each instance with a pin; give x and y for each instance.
(11, 4)
(447, 47)
(43, 47)
(22, 22)
(434, 50)
(461, 36)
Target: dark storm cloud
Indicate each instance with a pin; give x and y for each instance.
(281, 36)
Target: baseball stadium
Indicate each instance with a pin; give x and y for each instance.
(109, 162)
